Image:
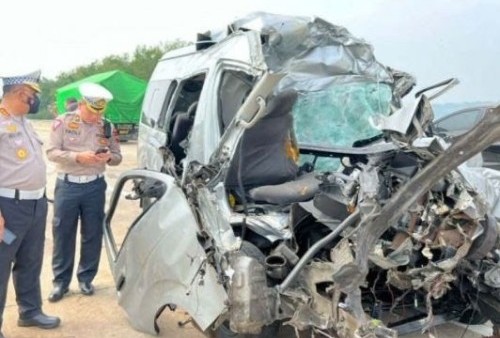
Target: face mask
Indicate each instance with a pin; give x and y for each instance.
(34, 105)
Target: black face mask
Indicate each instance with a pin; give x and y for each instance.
(34, 105)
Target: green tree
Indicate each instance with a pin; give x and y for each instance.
(140, 63)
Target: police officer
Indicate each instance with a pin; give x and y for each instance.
(82, 144)
(23, 206)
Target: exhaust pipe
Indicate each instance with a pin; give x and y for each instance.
(276, 267)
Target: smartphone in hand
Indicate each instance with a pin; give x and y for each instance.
(8, 236)
(101, 151)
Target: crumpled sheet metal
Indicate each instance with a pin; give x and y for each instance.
(487, 183)
(349, 326)
(341, 255)
(485, 133)
(434, 277)
(399, 257)
(274, 227)
(171, 271)
(315, 53)
(434, 281)
(465, 202)
(492, 277)
(215, 224)
(313, 308)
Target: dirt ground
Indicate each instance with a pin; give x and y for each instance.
(99, 315)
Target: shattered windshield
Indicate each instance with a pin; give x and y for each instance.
(341, 114)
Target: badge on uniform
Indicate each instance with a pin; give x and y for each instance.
(73, 125)
(11, 128)
(22, 153)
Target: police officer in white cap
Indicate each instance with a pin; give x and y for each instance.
(23, 206)
(82, 143)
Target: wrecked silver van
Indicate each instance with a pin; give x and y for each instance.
(284, 183)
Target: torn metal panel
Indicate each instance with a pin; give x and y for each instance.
(341, 255)
(273, 226)
(487, 183)
(349, 326)
(318, 311)
(323, 218)
(492, 277)
(215, 224)
(251, 300)
(398, 257)
(487, 240)
(485, 133)
(313, 52)
(153, 268)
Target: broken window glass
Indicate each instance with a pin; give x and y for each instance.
(339, 116)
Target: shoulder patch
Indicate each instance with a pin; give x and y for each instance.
(56, 124)
(74, 125)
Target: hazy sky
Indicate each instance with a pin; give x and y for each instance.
(432, 39)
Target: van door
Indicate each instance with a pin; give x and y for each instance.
(169, 111)
(157, 259)
(152, 135)
(182, 114)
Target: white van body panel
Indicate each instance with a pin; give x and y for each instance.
(242, 50)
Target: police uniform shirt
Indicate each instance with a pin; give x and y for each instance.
(21, 158)
(70, 135)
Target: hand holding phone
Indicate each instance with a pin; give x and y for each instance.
(101, 151)
(8, 236)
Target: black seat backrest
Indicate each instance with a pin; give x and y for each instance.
(264, 160)
(181, 126)
(180, 129)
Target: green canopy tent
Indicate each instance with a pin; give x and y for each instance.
(128, 92)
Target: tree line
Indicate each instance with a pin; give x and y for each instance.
(140, 63)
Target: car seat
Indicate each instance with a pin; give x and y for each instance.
(268, 174)
(181, 126)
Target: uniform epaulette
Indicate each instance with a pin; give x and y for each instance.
(4, 112)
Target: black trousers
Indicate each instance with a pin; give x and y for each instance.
(73, 201)
(24, 257)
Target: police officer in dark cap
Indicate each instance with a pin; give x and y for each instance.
(23, 206)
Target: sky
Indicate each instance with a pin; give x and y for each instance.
(431, 39)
